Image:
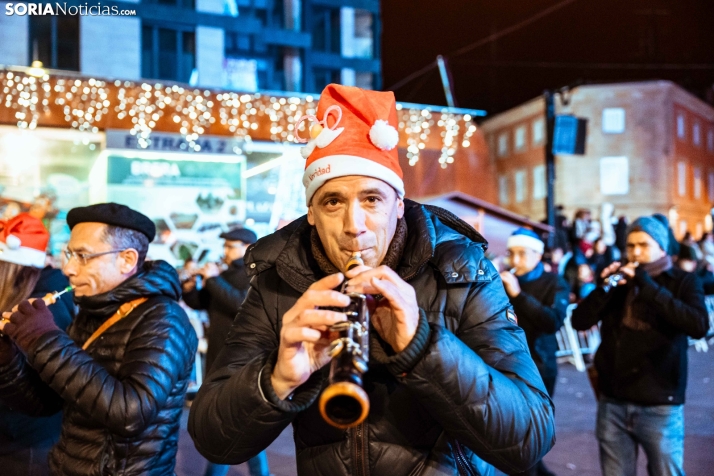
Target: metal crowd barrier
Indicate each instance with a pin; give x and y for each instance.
(573, 345)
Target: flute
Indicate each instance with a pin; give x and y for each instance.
(344, 403)
(51, 298)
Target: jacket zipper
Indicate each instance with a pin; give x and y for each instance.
(461, 460)
(359, 450)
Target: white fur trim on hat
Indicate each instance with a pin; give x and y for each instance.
(22, 256)
(526, 241)
(333, 166)
(383, 135)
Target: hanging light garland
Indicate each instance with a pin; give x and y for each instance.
(86, 104)
(416, 124)
(27, 95)
(450, 123)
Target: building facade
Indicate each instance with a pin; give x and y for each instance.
(243, 45)
(649, 149)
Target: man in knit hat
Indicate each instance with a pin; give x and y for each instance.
(450, 382)
(642, 360)
(540, 300)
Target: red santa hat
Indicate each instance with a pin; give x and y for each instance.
(23, 240)
(353, 133)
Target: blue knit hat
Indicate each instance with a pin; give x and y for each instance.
(527, 239)
(653, 227)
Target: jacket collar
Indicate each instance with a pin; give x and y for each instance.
(435, 236)
(157, 278)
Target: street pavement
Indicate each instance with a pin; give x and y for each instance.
(575, 453)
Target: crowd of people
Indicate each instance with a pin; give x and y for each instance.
(583, 247)
(461, 366)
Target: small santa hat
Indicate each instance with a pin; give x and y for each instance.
(356, 134)
(23, 240)
(523, 237)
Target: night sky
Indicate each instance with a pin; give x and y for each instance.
(578, 42)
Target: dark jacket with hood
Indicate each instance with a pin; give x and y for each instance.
(464, 393)
(646, 364)
(122, 397)
(222, 297)
(17, 430)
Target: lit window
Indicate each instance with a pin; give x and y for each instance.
(613, 120)
(696, 134)
(539, 188)
(614, 176)
(681, 178)
(503, 190)
(520, 185)
(681, 126)
(503, 144)
(538, 131)
(697, 182)
(520, 138)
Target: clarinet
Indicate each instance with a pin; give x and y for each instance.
(344, 403)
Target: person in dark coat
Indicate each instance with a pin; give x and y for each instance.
(688, 260)
(25, 441)
(642, 361)
(120, 372)
(451, 385)
(540, 300)
(222, 294)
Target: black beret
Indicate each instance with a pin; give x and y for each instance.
(240, 234)
(113, 214)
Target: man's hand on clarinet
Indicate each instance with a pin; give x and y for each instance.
(397, 314)
(304, 337)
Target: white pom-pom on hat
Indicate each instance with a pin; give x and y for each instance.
(383, 135)
(13, 242)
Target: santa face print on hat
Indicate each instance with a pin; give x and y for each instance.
(353, 133)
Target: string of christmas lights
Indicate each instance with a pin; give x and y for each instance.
(86, 103)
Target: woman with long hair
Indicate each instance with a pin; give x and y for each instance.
(26, 440)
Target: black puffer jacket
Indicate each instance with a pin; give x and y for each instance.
(473, 395)
(123, 397)
(221, 296)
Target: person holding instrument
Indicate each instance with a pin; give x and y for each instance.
(120, 372)
(451, 386)
(647, 308)
(26, 440)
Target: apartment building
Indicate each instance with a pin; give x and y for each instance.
(650, 148)
(243, 45)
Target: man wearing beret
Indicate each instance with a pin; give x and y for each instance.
(121, 370)
(222, 294)
(642, 361)
(451, 386)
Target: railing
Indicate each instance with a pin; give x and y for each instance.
(573, 345)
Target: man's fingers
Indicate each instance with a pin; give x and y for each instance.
(381, 272)
(327, 283)
(390, 291)
(318, 318)
(295, 335)
(356, 271)
(313, 298)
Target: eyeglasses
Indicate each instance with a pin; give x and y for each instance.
(82, 258)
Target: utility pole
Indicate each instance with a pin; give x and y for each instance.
(548, 95)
